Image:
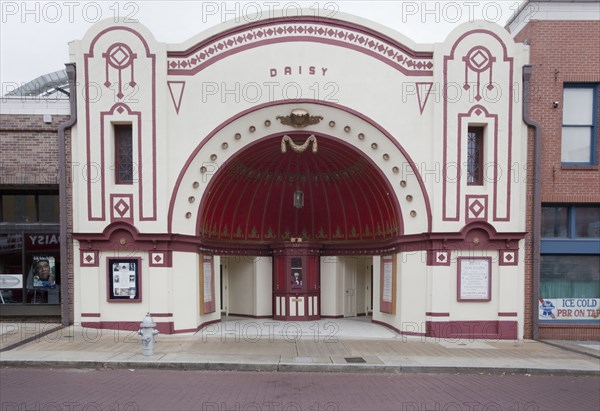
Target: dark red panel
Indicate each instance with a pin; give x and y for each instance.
(346, 197)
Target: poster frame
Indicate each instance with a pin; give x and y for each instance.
(388, 307)
(459, 280)
(110, 278)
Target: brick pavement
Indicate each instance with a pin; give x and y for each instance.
(48, 389)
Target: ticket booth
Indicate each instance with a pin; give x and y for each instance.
(296, 282)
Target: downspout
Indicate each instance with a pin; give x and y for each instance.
(537, 203)
(62, 158)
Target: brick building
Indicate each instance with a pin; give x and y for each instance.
(33, 141)
(564, 260)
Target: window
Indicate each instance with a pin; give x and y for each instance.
(123, 154)
(475, 156)
(570, 222)
(580, 107)
(30, 268)
(570, 263)
(27, 207)
(570, 276)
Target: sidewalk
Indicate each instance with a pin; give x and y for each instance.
(267, 345)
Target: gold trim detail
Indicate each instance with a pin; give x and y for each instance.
(299, 148)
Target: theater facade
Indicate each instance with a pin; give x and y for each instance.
(299, 168)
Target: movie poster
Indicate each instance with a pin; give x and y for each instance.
(124, 279)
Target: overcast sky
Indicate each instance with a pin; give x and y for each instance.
(34, 35)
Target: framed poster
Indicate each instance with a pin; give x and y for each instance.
(207, 285)
(474, 279)
(387, 303)
(124, 280)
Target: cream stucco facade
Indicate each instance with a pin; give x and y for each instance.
(201, 111)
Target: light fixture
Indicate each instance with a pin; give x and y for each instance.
(298, 198)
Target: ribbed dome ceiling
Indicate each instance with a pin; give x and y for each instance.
(346, 198)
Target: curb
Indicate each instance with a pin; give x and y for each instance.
(288, 367)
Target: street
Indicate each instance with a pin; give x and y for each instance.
(128, 390)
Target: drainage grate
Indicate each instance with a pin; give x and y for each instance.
(355, 360)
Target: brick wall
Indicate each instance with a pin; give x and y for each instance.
(29, 149)
(561, 51)
(29, 156)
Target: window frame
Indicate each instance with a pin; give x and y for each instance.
(593, 158)
(571, 244)
(119, 132)
(36, 193)
(479, 132)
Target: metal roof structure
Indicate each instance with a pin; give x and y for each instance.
(44, 86)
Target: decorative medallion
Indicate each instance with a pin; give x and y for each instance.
(299, 118)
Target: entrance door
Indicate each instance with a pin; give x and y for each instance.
(350, 287)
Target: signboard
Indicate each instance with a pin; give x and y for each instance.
(474, 279)
(387, 303)
(207, 285)
(569, 309)
(8, 281)
(124, 280)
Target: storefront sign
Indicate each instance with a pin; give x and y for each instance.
(11, 281)
(474, 279)
(562, 309)
(42, 242)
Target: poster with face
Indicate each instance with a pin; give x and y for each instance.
(43, 271)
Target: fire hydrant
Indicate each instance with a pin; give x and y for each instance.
(148, 331)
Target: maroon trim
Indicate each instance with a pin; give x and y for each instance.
(249, 316)
(489, 330)
(177, 103)
(121, 132)
(195, 54)
(386, 325)
(432, 314)
(388, 307)
(162, 327)
(208, 306)
(296, 102)
(391, 327)
(332, 316)
(503, 257)
(166, 259)
(458, 280)
(507, 314)
(138, 279)
(423, 101)
(194, 330)
(161, 315)
(439, 257)
(479, 147)
(90, 315)
(114, 216)
(483, 200)
(361, 314)
(86, 57)
(487, 239)
(83, 262)
(509, 60)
